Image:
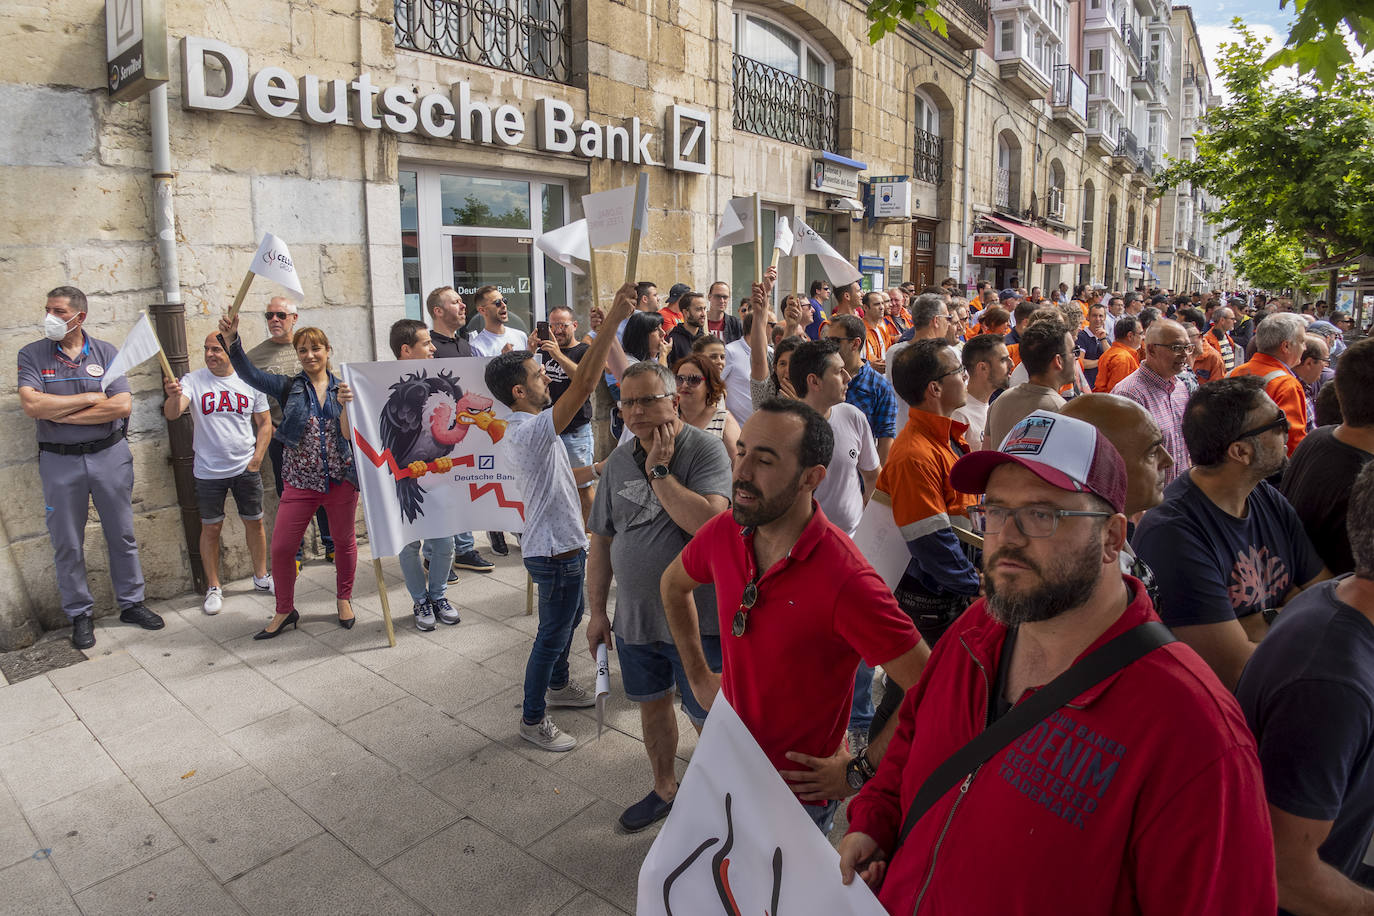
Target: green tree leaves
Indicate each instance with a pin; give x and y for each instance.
(1316, 44)
(886, 16)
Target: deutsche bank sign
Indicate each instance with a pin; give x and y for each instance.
(215, 76)
(135, 47)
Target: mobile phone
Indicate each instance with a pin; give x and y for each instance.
(541, 330)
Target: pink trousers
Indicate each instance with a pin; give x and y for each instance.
(293, 517)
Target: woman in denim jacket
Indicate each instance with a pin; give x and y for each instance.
(317, 465)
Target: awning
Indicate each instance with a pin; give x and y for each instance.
(1153, 276)
(1053, 249)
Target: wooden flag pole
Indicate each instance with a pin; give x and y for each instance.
(636, 231)
(529, 595)
(591, 280)
(386, 602)
(758, 239)
(243, 291)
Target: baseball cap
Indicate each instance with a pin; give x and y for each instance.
(1008, 294)
(677, 291)
(1062, 451)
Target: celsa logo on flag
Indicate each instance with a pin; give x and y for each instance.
(274, 262)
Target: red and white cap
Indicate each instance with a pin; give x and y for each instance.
(1062, 451)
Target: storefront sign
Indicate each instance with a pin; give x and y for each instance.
(891, 197)
(835, 178)
(135, 47)
(1135, 258)
(274, 92)
(992, 245)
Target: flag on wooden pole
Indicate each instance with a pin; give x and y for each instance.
(835, 265)
(567, 245)
(782, 240)
(272, 261)
(141, 344)
(736, 224)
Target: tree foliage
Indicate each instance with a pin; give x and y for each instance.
(1273, 262)
(1316, 44)
(1296, 161)
(886, 16)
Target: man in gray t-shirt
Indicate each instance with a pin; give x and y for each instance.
(656, 490)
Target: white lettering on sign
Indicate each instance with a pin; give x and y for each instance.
(215, 76)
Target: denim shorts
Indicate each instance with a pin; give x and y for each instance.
(649, 671)
(579, 445)
(247, 490)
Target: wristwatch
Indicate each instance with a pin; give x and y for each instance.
(658, 472)
(859, 771)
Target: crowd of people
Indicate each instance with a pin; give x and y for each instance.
(1066, 472)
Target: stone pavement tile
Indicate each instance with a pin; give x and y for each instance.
(183, 653)
(100, 831)
(17, 841)
(510, 664)
(242, 618)
(339, 689)
(100, 665)
(172, 755)
(518, 799)
(623, 714)
(446, 680)
(276, 658)
(32, 888)
(592, 848)
(478, 638)
(378, 811)
(119, 705)
(613, 766)
(237, 822)
(588, 904)
(173, 884)
(366, 643)
(499, 719)
(415, 737)
(489, 596)
(231, 697)
(295, 748)
(468, 868)
(54, 764)
(30, 707)
(321, 875)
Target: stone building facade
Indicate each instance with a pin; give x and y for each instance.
(399, 145)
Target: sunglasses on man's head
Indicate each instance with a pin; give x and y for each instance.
(280, 316)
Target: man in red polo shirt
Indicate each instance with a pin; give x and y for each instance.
(1279, 342)
(799, 606)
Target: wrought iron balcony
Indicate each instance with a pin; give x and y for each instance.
(530, 37)
(1144, 85)
(966, 22)
(1127, 146)
(1005, 195)
(977, 10)
(1070, 90)
(1133, 41)
(930, 157)
(774, 103)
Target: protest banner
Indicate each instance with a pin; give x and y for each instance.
(141, 344)
(616, 216)
(836, 266)
(880, 540)
(272, 261)
(737, 840)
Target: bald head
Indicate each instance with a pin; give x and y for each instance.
(1167, 349)
(1133, 431)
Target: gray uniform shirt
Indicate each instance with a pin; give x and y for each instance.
(46, 369)
(644, 539)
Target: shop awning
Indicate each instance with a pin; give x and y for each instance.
(1053, 249)
(1153, 276)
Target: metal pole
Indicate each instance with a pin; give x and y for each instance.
(169, 318)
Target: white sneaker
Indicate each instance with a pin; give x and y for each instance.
(264, 584)
(214, 600)
(573, 696)
(547, 736)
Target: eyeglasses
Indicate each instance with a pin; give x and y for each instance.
(631, 403)
(560, 324)
(497, 302)
(280, 316)
(1032, 521)
(1180, 349)
(689, 381)
(960, 371)
(746, 604)
(1280, 422)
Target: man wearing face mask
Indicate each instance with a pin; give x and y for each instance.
(82, 456)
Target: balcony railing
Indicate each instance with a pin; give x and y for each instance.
(1004, 195)
(530, 37)
(930, 157)
(1128, 146)
(1070, 90)
(977, 10)
(1133, 41)
(1188, 71)
(774, 103)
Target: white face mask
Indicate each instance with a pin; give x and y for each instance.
(55, 328)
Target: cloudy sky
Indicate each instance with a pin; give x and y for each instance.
(1214, 26)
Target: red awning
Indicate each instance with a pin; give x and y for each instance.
(1054, 250)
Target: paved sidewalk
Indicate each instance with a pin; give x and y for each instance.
(193, 770)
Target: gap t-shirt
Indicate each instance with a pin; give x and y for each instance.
(222, 411)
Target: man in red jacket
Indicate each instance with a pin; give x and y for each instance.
(1142, 795)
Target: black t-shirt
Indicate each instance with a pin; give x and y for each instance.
(680, 338)
(1308, 694)
(449, 346)
(559, 382)
(1317, 483)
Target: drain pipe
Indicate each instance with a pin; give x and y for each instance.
(169, 319)
(967, 221)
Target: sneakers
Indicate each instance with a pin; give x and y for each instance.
(570, 697)
(424, 616)
(452, 575)
(546, 736)
(264, 584)
(447, 613)
(83, 631)
(474, 561)
(140, 616)
(214, 600)
(498, 543)
(645, 812)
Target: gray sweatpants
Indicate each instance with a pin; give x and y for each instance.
(70, 483)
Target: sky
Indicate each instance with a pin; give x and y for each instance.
(1214, 27)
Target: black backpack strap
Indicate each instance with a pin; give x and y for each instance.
(1088, 672)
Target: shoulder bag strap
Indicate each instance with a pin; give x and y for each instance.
(1090, 671)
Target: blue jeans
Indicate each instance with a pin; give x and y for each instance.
(861, 712)
(559, 582)
(440, 554)
(824, 815)
(462, 543)
(579, 445)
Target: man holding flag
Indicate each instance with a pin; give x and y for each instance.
(82, 455)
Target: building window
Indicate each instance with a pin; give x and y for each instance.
(1054, 194)
(1008, 36)
(410, 245)
(783, 84)
(929, 163)
(531, 37)
(1006, 189)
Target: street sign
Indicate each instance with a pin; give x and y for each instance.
(135, 47)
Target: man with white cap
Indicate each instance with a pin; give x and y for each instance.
(1141, 768)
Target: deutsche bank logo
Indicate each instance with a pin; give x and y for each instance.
(688, 146)
(486, 462)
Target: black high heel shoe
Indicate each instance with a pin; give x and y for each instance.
(292, 618)
(348, 624)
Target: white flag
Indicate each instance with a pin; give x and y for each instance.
(610, 214)
(566, 243)
(603, 685)
(835, 265)
(735, 815)
(880, 540)
(274, 262)
(140, 345)
(783, 239)
(736, 223)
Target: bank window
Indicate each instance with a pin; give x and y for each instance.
(772, 43)
(783, 83)
(490, 203)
